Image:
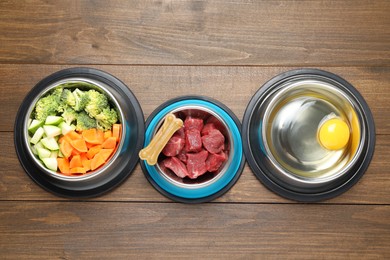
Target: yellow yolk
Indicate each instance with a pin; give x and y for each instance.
(334, 134)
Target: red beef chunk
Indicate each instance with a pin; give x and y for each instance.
(182, 156)
(196, 164)
(174, 146)
(218, 124)
(193, 140)
(214, 141)
(180, 133)
(207, 128)
(193, 123)
(177, 166)
(215, 160)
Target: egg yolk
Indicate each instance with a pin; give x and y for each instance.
(334, 134)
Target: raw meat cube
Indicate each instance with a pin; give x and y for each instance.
(174, 146)
(214, 141)
(180, 133)
(207, 128)
(193, 123)
(196, 164)
(182, 156)
(177, 166)
(217, 123)
(215, 160)
(193, 140)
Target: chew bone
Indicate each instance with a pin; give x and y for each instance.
(152, 151)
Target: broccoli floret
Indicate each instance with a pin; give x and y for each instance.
(47, 106)
(84, 121)
(96, 103)
(81, 99)
(69, 115)
(68, 98)
(106, 119)
(57, 93)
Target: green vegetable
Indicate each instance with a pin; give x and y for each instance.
(37, 135)
(50, 163)
(66, 128)
(51, 130)
(97, 102)
(69, 115)
(43, 153)
(34, 125)
(53, 120)
(84, 121)
(68, 98)
(50, 143)
(106, 118)
(46, 106)
(81, 99)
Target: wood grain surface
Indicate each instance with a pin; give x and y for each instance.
(225, 50)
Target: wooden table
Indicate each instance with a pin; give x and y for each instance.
(222, 49)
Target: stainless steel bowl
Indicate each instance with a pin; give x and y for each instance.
(208, 178)
(78, 180)
(281, 135)
(120, 165)
(210, 185)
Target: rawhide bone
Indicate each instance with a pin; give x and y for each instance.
(151, 152)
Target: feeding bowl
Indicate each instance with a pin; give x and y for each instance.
(308, 135)
(123, 160)
(209, 185)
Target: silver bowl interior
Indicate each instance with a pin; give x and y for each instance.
(291, 116)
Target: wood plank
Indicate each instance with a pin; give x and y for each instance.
(371, 189)
(31, 230)
(296, 33)
(233, 86)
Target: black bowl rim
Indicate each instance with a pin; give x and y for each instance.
(279, 189)
(34, 172)
(219, 192)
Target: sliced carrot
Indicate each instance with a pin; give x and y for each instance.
(93, 136)
(93, 151)
(78, 170)
(107, 134)
(89, 146)
(73, 135)
(97, 161)
(75, 162)
(79, 145)
(66, 148)
(110, 143)
(106, 153)
(86, 162)
(63, 165)
(75, 152)
(116, 131)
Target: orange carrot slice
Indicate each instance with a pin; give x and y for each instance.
(78, 170)
(107, 134)
(97, 161)
(93, 136)
(79, 145)
(85, 161)
(63, 165)
(73, 135)
(116, 131)
(105, 153)
(66, 148)
(110, 143)
(93, 151)
(75, 162)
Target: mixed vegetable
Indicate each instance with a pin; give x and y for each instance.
(73, 129)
